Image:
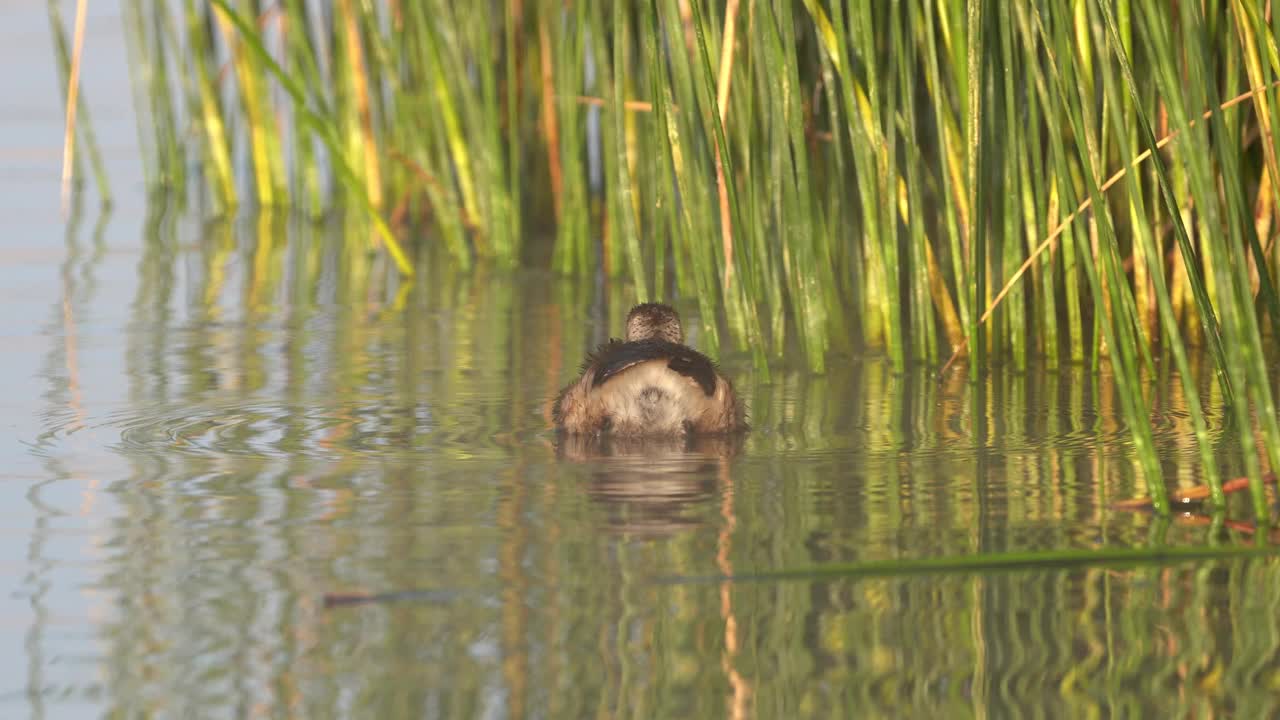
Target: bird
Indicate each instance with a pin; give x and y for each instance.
(649, 384)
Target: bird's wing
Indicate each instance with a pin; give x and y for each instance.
(616, 357)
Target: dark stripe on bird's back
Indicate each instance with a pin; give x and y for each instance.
(614, 357)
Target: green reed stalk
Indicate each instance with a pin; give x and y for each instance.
(1011, 255)
(736, 285)
(879, 159)
(759, 295)
(924, 318)
(356, 113)
(609, 118)
(1241, 333)
(264, 146)
(154, 93)
(475, 49)
(1148, 255)
(625, 221)
(792, 199)
(422, 139)
(975, 64)
(325, 131)
(692, 170)
(1106, 282)
(300, 60)
(446, 103)
(515, 224)
(216, 148)
(566, 119)
(1205, 197)
(837, 176)
(858, 124)
(140, 62)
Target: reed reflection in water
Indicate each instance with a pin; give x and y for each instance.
(274, 488)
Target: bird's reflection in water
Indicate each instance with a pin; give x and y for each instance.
(652, 486)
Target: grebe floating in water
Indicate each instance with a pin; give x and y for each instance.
(650, 383)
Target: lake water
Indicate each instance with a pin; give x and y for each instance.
(239, 480)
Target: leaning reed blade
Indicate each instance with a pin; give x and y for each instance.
(324, 130)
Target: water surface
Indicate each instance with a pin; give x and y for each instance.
(241, 478)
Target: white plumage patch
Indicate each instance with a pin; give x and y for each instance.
(649, 398)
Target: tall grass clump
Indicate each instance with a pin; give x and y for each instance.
(1054, 181)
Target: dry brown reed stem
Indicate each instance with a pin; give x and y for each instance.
(549, 124)
(1198, 493)
(1264, 212)
(1253, 69)
(1048, 242)
(740, 705)
(360, 81)
(633, 105)
(429, 179)
(75, 401)
(722, 103)
(262, 21)
(73, 97)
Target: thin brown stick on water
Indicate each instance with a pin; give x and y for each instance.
(1195, 494)
(1052, 238)
(73, 94)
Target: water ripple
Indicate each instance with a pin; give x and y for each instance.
(259, 428)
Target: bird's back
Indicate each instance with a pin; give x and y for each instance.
(650, 387)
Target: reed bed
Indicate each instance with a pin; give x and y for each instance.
(1052, 181)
